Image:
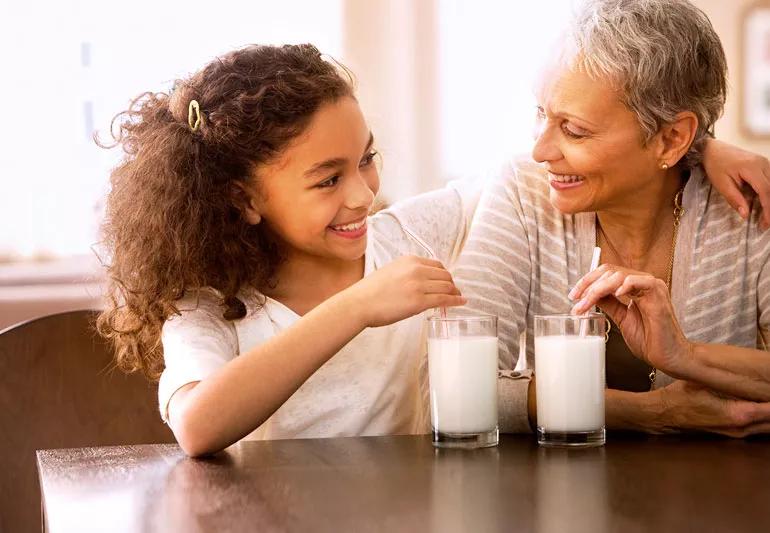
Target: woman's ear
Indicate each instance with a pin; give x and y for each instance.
(245, 199)
(676, 138)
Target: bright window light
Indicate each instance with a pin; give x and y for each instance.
(490, 53)
(69, 67)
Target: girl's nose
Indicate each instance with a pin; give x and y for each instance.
(358, 194)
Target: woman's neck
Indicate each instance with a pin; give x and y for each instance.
(642, 226)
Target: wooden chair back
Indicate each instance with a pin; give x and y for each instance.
(59, 388)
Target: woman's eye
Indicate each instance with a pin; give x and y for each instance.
(368, 158)
(331, 182)
(574, 131)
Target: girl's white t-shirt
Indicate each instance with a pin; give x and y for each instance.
(377, 383)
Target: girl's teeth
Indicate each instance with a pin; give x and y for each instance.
(350, 227)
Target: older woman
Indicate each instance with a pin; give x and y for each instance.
(624, 114)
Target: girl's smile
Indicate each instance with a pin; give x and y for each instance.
(350, 230)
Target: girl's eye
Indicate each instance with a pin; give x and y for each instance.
(331, 182)
(368, 158)
(574, 131)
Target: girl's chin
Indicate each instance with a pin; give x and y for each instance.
(352, 252)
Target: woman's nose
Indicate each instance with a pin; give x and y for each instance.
(546, 148)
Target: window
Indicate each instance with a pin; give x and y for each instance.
(69, 67)
(490, 53)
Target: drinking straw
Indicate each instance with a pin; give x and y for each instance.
(426, 247)
(594, 265)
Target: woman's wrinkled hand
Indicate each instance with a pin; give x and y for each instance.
(641, 306)
(687, 406)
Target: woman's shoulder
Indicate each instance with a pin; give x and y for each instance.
(718, 229)
(521, 186)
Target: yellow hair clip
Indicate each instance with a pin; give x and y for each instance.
(194, 115)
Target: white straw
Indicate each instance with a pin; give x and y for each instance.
(594, 265)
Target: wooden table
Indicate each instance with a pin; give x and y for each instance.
(404, 484)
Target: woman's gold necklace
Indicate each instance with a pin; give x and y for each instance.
(678, 213)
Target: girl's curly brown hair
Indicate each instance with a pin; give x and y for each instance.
(171, 222)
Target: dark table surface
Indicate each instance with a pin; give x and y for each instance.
(404, 484)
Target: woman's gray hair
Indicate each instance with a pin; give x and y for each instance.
(664, 56)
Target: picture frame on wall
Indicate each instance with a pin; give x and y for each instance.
(755, 60)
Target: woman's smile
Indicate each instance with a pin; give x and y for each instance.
(562, 182)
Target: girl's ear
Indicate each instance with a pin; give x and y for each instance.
(245, 200)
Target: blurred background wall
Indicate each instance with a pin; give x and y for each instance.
(726, 16)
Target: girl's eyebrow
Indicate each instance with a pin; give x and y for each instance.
(334, 162)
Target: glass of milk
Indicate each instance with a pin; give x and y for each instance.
(462, 366)
(570, 380)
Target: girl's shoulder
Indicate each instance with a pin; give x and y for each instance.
(199, 312)
(201, 320)
(433, 224)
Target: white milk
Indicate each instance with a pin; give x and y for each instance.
(570, 382)
(463, 384)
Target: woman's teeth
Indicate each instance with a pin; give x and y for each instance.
(350, 227)
(563, 178)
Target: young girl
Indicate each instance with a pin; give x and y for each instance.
(245, 270)
(238, 224)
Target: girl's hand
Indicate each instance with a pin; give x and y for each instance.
(407, 286)
(684, 405)
(730, 169)
(641, 307)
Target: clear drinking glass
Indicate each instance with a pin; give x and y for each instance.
(462, 364)
(570, 379)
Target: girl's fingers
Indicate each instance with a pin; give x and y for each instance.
(433, 263)
(437, 274)
(443, 300)
(759, 180)
(440, 287)
(735, 198)
(761, 186)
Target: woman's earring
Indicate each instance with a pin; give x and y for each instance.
(664, 166)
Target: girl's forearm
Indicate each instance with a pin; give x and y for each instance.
(237, 399)
(740, 372)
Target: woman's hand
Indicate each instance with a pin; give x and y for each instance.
(407, 286)
(641, 307)
(730, 169)
(686, 406)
